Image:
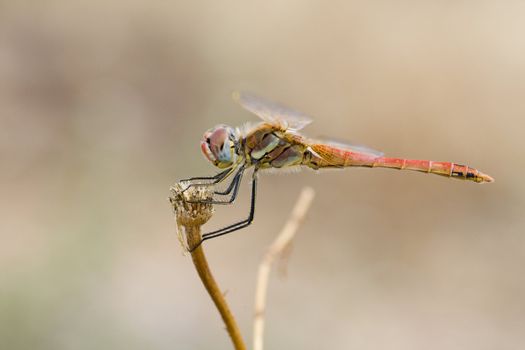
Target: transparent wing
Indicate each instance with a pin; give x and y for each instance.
(352, 147)
(272, 112)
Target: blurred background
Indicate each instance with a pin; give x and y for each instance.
(102, 107)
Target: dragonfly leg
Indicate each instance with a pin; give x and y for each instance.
(235, 182)
(233, 186)
(214, 179)
(239, 225)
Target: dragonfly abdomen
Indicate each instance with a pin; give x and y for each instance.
(447, 169)
(328, 156)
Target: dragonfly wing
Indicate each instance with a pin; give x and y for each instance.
(352, 147)
(272, 112)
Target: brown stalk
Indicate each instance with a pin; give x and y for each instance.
(190, 217)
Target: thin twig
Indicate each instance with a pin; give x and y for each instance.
(191, 216)
(278, 246)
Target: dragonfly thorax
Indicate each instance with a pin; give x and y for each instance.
(219, 146)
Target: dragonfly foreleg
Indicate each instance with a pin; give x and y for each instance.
(235, 182)
(214, 179)
(233, 186)
(239, 225)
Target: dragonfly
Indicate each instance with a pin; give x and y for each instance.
(276, 143)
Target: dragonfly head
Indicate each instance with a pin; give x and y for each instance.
(219, 145)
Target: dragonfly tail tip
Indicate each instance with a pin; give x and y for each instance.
(486, 178)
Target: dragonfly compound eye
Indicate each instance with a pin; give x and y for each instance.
(218, 146)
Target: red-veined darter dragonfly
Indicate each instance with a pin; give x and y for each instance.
(275, 143)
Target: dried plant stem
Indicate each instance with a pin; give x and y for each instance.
(201, 265)
(192, 216)
(278, 246)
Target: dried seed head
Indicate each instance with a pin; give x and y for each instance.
(190, 204)
(192, 210)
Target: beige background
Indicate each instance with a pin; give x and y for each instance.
(102, 107)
